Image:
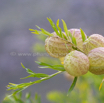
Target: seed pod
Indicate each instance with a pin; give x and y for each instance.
(76, 63)
(96, 60)
(77, 34)
(94, 41)
(57, 47)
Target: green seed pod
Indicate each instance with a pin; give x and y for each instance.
(94, 41)
(57, 47)
(76, 63)
(96, 60)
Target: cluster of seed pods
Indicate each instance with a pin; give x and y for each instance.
(77, 63)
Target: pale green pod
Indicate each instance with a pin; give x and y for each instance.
(96, 60)
(94, 41)
(76, 63)
(57, 47)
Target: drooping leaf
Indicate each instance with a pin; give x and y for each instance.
(55, 67)
(72, 85)
(83, 35)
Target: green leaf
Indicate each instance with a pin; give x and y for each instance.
(28, 95)
(31, 29)
(28, 70)
(17, 91)
(67, 47)
(53, 26)
(83, 35)
(14, 93)
(23, 86)
(41, 75)
(40, 32)
(37, 26)
(18, 100)
(65, 29)
(55, 67)
(60, 30)
(37, 32)
(20, 95)
(72, 85)
(64, 36)
(38, 75)
(37, 98)
(70, 35)
(43, 64)
(74, 41)
(46, 32)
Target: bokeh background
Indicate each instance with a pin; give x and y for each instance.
(17, 16)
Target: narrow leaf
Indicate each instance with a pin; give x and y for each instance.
(55, 67)
(72, 85)
(67, 47)
(42, 64)
(53, 26)
(83, 35)
(64, 36)
(31, 29)
(65, 29)
(28, 70)
(17, 91)
(60, 30)
(37, 98)
(70, 35)
(40, 32)
(22, 66)
(37, 32)
(74, 41)
(38, 75)
(38, 27)
(23, 86)
(46, 32)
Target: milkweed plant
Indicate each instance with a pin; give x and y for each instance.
(78, 54)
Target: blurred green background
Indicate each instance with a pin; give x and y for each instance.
(19, 45)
